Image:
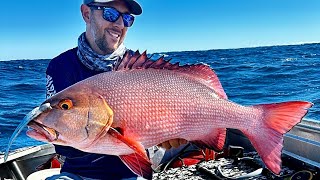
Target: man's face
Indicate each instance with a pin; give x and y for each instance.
(105, 37)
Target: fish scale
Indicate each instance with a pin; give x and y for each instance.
(143, 103)
(186, 106)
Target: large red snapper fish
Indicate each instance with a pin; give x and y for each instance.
(143, 103)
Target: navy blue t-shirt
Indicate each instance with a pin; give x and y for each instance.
(63, 71)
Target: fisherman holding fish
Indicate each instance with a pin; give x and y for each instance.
(99, 48)
(111, 104)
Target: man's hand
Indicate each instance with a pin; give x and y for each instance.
(173, 143)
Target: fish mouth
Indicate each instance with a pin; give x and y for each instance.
(41, 132)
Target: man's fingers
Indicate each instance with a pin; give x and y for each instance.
(165, 145)
(183, 141)
(174, 143)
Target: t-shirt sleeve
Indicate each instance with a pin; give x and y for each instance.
(57, 77)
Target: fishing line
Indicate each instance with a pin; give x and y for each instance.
(29, 117)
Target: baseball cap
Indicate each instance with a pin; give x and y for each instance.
(133, 6)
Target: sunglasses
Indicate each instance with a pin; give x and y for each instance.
(112, 15)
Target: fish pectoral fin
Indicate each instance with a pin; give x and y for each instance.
(133, 144)
(138, 165)
(215, 140)
(137, 162)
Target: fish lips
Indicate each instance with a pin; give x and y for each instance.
(41, 132)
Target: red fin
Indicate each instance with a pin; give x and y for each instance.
(140, 61)
(200, 71)
(138, 165)
(127, 61)
(278, 119)
(134, 145)
(215, 140)
(207, 75)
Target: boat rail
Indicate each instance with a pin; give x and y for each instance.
(303, 142)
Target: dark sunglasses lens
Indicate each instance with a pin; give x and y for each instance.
(128, 20)
(110, 14)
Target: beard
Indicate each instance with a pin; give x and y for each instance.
(104, 46)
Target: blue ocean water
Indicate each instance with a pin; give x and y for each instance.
(248, 75)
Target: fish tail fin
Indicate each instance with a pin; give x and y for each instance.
(278, 119)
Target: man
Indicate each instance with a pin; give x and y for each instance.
(99, 47)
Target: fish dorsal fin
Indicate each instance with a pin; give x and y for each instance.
(207, 76)
(142, 61)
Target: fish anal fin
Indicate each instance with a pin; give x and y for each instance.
(138, 165)
(200, 71)
(215, 140)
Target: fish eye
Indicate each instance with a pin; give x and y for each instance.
(65, 104)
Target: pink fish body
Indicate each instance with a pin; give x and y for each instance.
(143, 103)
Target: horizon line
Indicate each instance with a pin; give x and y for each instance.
(173, 51)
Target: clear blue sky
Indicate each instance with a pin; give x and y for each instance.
(43, 29)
